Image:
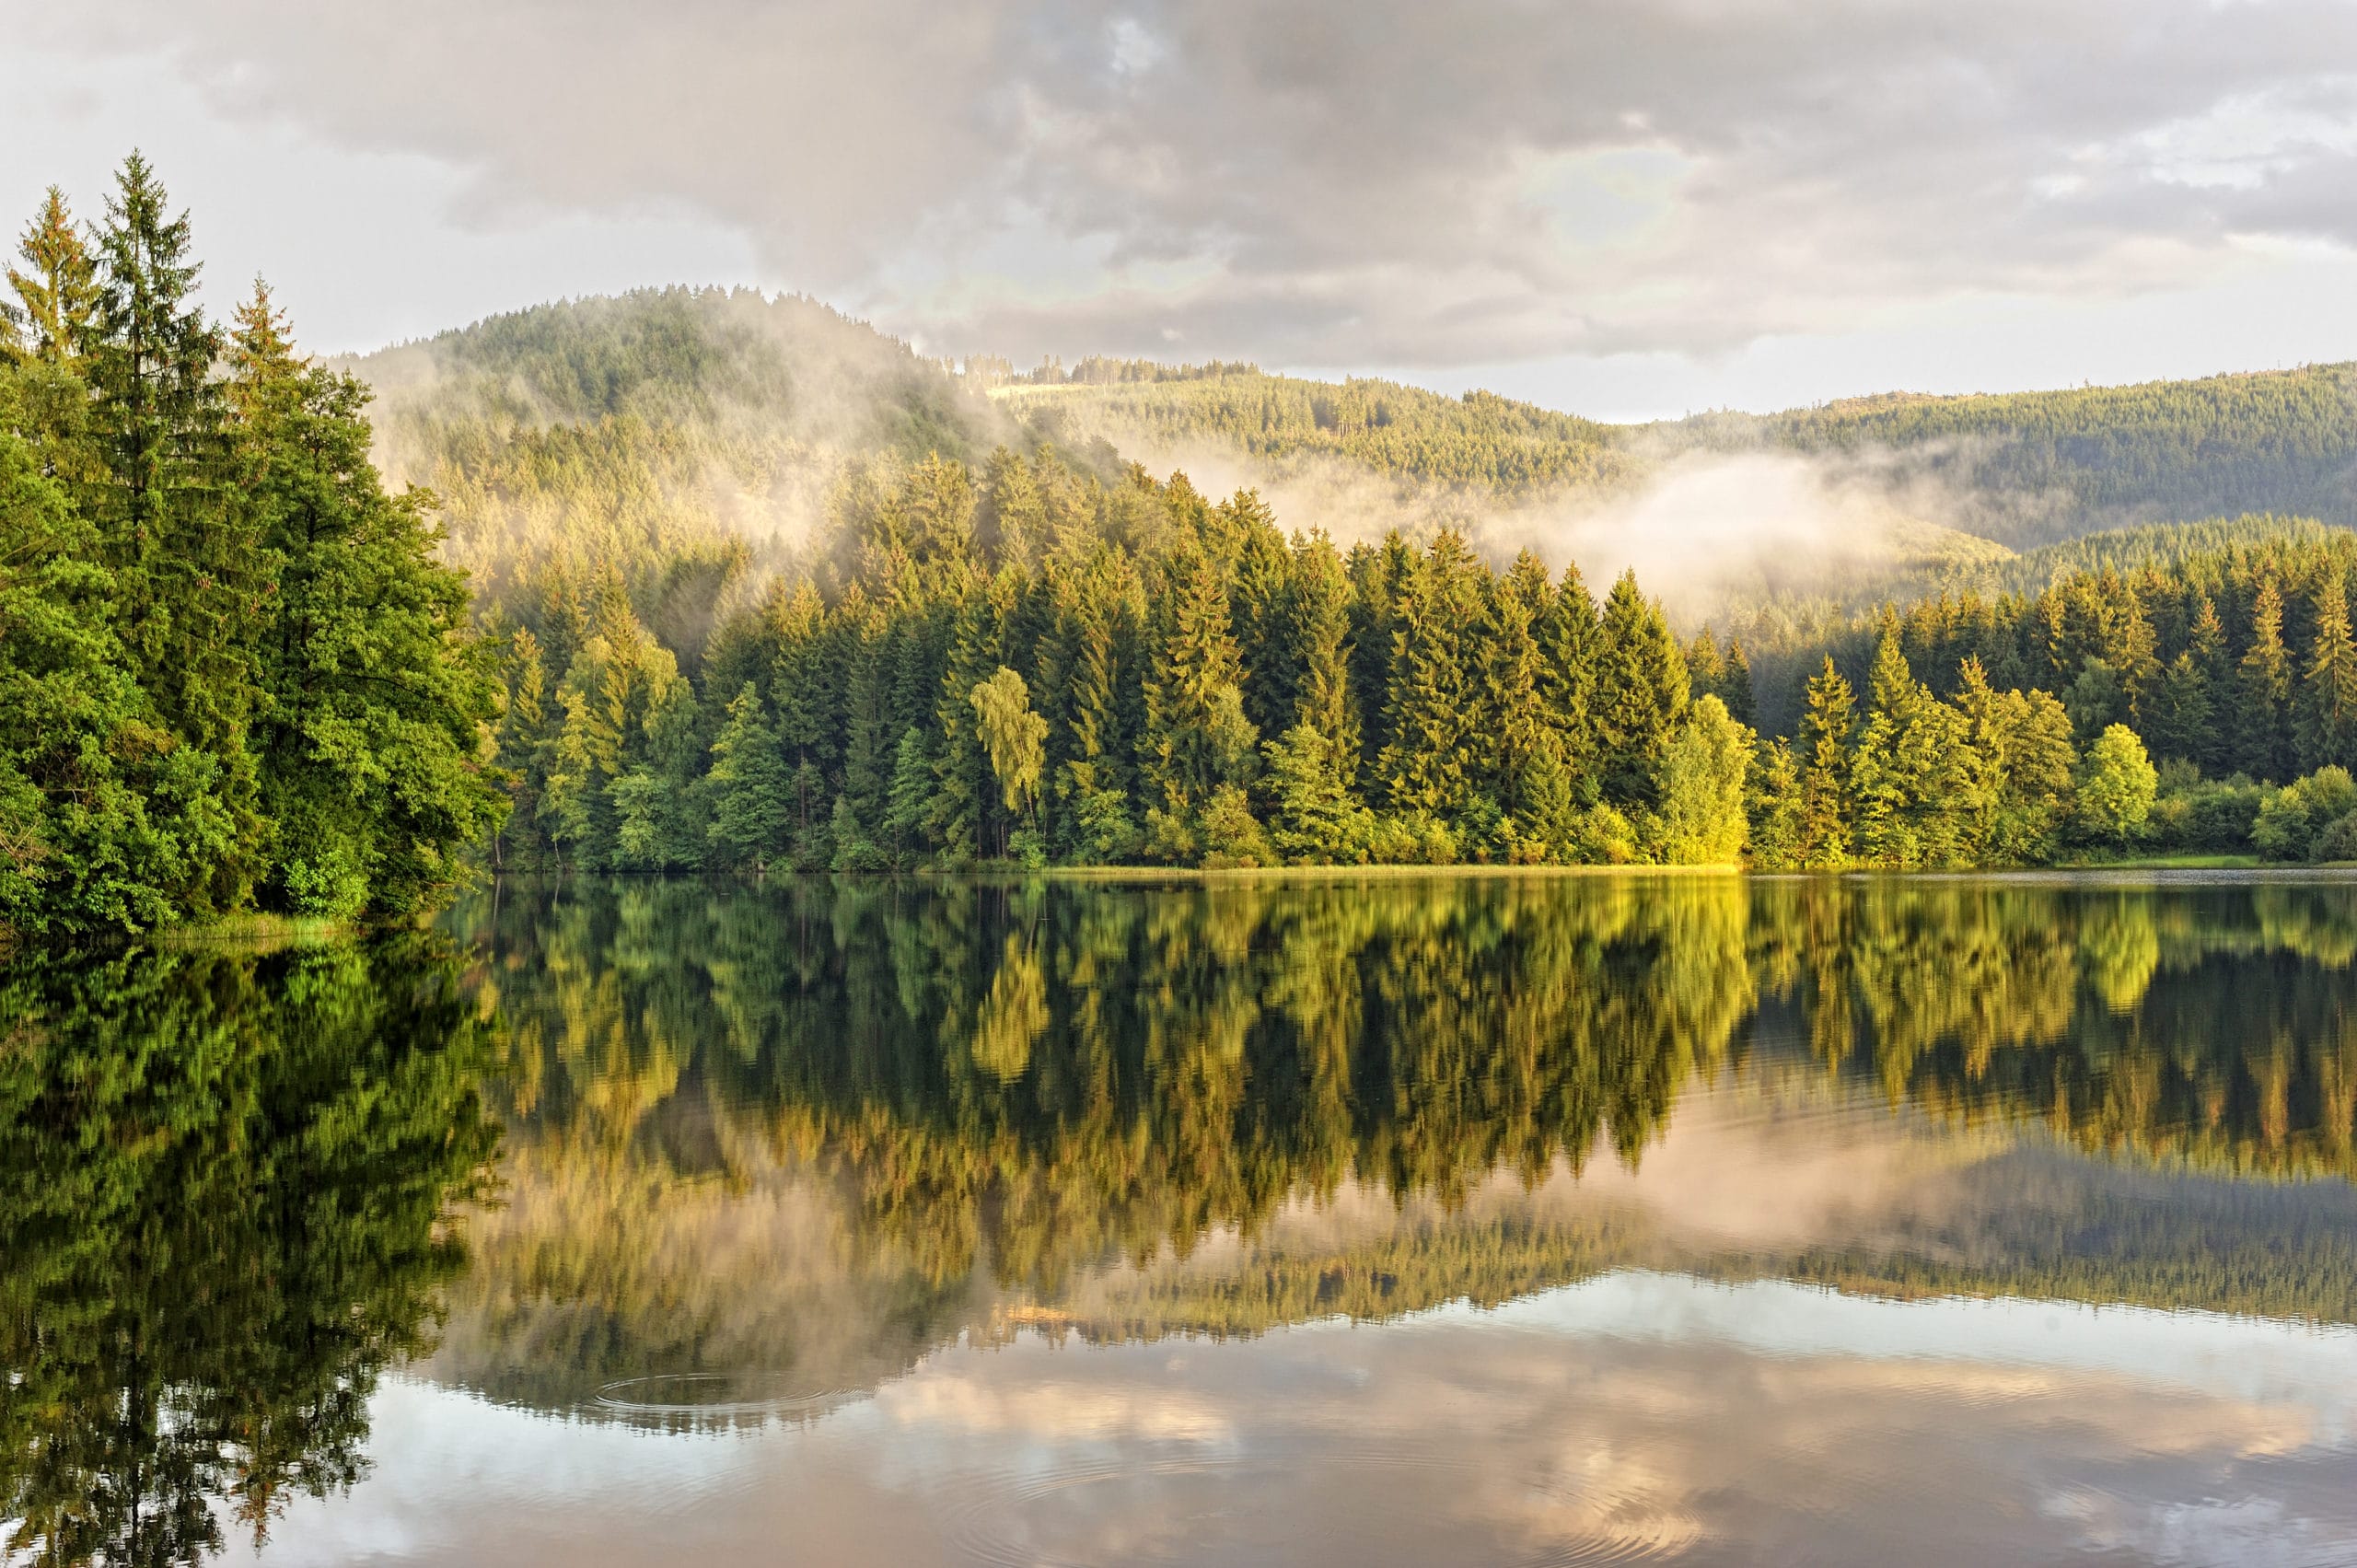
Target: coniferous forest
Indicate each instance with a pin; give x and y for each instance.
(677, 600)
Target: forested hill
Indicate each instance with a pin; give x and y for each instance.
(677, 435)
(1479, 440)
(2031, 468)
(2023, 468)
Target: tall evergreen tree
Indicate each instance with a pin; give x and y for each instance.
(2262, 693)
(1570, 634)
(56, 289)
(1197, 740)
(2328, 691)
(1639, 695)
(1380, 575)
(1434, 707)
(183, 552)
(1526, 769)
(2206, 641)
(1826, 811)
(1320, 630)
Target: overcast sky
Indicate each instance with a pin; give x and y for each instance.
(1624, 208)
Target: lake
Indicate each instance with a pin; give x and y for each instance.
(1414, 1219)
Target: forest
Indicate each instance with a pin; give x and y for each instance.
(710, 581)
(234, 675)
(2023, 468)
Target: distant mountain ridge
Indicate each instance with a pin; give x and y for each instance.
(687, 436)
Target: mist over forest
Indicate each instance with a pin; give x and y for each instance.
(734, 581)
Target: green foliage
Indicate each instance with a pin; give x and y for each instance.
(2116, 787)
(1072, 1075)
(225, 1180)
(1701, 818)
(1015, 737)
(1317, 820)
(2291, 819)
(235, 675)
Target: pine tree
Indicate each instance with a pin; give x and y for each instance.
(2329, 693)
(182, 553)
(57, 288)
(2262, 693)
(1907, 769)
(1736, 688)
(1196, 738)
(1262, 612)
(1878, 787)
(911, 796)
(2207, 644)
(1825, 827)
(1319, 629)
(1640, 696)
(863, 654)
(1569, 635)
(749, 783)
(1525, 771)
(524, 735)
(1774, 809)
(105, 827)
(1706, 671)
(1011, 525)
(2177, 716)
(1378, 577)
(960, 814)
(800, 691)
(1434, 706)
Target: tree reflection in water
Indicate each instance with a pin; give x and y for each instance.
(813, 1129)
(223, 1178)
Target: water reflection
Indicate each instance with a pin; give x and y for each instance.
(222, 1178)
(749, 1121)
(964, 1212)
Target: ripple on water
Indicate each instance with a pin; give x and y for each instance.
(719, 1396)
(1366, 1503)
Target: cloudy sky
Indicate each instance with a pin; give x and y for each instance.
(1624, 208)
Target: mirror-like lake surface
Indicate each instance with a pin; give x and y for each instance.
(1417, 1220)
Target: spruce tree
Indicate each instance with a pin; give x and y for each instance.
(960, 817)
(1639, 695)
(1262, 612)
(2328, 691)
(56, 289)
(1881, 793)
(1197, 737)
(1434, 707)
(2177, 717)
(2262, 693)
(1011, 525)
(105, 827)
(1736, 687)
(1524, 769)
(1319, 631)
(1569, 635)
(2206, 641)
(1773, 808)
(1378, 577)
(1825, 826)
(181, 546)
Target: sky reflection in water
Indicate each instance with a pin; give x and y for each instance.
(1466, 1220)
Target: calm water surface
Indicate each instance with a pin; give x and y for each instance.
(1446, 1220)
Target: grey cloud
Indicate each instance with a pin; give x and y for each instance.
(1334, 183)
